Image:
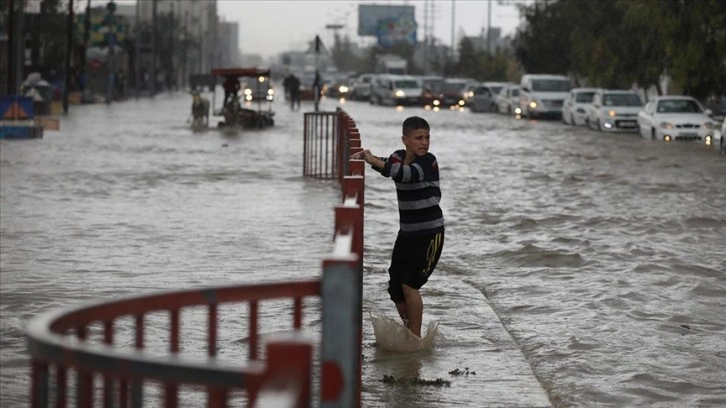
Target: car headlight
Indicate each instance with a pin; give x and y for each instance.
(709, 125)
(400, 93)
(248, 91)
(666, 125)
(343, 89)
(533, 104)
(611, 113)
(270, 91)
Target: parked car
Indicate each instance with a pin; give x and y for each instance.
(614, 110)
(677, 118)
(507, 100)
(574, 109)
(482, 97)
(449, 92)
(543, 95)
(360, 89)
(396, 90)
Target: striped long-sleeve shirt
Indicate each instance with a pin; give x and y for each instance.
(418, 192)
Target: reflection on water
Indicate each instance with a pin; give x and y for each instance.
(602, 253)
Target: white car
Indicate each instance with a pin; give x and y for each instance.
(507, 100)
(671, 118)
(574, 109)
(543, 95)
(396, 90)
(614, 110)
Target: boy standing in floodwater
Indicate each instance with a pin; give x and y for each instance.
(421, 235)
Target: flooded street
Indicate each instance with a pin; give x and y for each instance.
(604, 255)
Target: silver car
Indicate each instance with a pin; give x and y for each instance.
(507, 100)
(483, 97)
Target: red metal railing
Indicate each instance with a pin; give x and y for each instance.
(60, 340)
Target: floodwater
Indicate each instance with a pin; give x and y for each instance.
(603, 254)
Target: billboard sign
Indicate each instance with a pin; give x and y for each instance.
(389, 24)
(394, 30)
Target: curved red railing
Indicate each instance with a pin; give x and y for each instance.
(60, 341)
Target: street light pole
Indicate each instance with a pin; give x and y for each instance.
(69, 53)
(137, 53)
(110, 7)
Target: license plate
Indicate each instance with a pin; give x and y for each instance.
(627, 124)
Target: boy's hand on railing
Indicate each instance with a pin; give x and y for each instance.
(364, 154)
(369, 158)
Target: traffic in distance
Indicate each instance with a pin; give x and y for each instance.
(667, 118)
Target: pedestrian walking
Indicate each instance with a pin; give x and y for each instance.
(294, 85)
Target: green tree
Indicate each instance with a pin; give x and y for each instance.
(343, 56)
(615, 43)
(543, 44)
(469, 60)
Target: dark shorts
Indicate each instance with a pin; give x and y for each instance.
(413, 261)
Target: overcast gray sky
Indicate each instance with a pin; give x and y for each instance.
(272, 26)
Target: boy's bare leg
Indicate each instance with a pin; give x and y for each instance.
(402, 311)
(414, 309)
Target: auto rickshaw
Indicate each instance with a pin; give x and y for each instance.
(236, 109)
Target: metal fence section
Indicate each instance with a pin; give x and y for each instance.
(60, 344)
(327, 139)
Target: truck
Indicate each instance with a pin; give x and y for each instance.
(391, 64)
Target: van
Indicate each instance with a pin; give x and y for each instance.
(543, 95)
(396, 90)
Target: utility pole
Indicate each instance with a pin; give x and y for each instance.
(453, 19)
(16, 46)
(426, 37)
(172, 37)
(69, 53)
(153, 48)
(489, 28)
(110, 22)
(86, 39)
(137, 53)
(10, 75)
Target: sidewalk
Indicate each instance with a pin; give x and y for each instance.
(470, 336)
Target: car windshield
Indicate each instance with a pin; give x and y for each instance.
(406, 84)
(432, 83)
(621, 100)
(452, 86)
(584, 97)
(678, 106)
(551, 85)
(496, 89)
(482, 90)
(514, 92)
